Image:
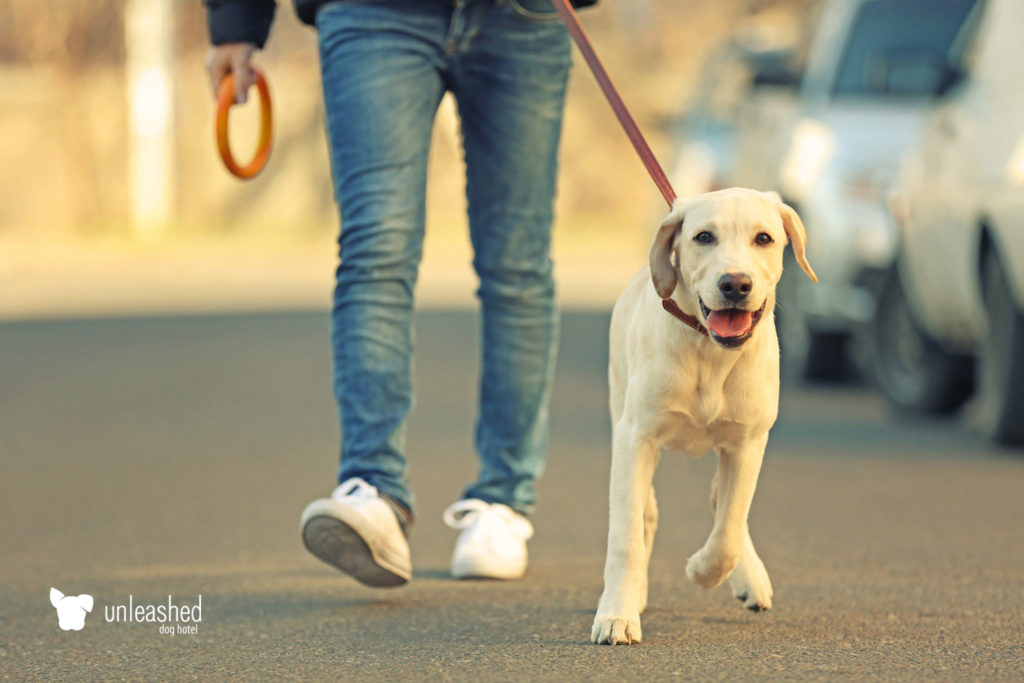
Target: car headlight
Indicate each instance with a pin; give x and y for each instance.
(811, 146)
(1015, 167)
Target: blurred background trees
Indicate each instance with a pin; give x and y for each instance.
(64, 121)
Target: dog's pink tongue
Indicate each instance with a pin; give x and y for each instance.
(729, 323)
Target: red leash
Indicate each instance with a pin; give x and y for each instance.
(572, 22)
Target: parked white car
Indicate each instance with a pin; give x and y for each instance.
(742, 91)
(871, 75)
(958, 290)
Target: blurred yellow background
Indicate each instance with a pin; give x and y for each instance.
(71, 244)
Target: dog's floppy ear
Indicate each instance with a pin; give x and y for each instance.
(663, 272)
(797, 237)
(55, 596)
(86, 602)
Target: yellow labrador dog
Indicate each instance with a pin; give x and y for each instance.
(694, 366)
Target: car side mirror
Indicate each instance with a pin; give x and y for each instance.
(776, 77)
(773, 69)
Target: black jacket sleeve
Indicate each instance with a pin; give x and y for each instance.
(248, 21)
(239, 21)
(306, 9)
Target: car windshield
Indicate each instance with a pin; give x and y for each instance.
(900, 46)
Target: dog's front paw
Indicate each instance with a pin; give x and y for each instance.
(751, 585)
(709, 567)
(615, 630)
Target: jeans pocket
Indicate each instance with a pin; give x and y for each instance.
(541, 10)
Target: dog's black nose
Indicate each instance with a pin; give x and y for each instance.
(735, 286)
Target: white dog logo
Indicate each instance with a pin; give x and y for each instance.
(71, 609)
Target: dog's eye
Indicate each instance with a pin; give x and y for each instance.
(704, 237)
(763, 238)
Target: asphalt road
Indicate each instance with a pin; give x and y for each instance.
(171, 457)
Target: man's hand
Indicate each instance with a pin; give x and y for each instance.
(232, 58)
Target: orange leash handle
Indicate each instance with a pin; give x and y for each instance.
(225, 99)
(572, 22)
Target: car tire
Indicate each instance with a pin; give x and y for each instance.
(1001, 357)
(914, 373)
(827, 359)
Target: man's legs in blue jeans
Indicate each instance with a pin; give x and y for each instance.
(510, 87)
(382, 84)
(385, 67)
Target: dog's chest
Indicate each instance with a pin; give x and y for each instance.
(701, 412)
(691, 424)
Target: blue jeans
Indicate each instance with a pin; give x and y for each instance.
(386, 64)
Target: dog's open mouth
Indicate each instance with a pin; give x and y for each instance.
(731, 326)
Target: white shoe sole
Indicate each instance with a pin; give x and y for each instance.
(483, 568)
(340, 537)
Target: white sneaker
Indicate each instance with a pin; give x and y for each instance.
(492, 544)
(358, 532)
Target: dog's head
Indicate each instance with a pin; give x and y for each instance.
(726, 249)
(71, 609)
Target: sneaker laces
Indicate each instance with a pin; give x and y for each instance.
(463, 514)
(356, 488)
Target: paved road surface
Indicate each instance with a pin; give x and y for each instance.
(156, 457)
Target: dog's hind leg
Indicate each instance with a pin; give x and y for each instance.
(650, 528)
(732, 493)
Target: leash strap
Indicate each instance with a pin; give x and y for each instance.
(572, 22)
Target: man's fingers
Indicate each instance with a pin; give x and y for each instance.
(244, 76)
(216, 69)
(231, 58)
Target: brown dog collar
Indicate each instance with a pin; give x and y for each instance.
(673, 309)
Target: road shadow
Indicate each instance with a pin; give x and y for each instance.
(436, 574)
(291, 606)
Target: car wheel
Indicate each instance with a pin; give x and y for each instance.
(1001, 357)
(910, 368)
